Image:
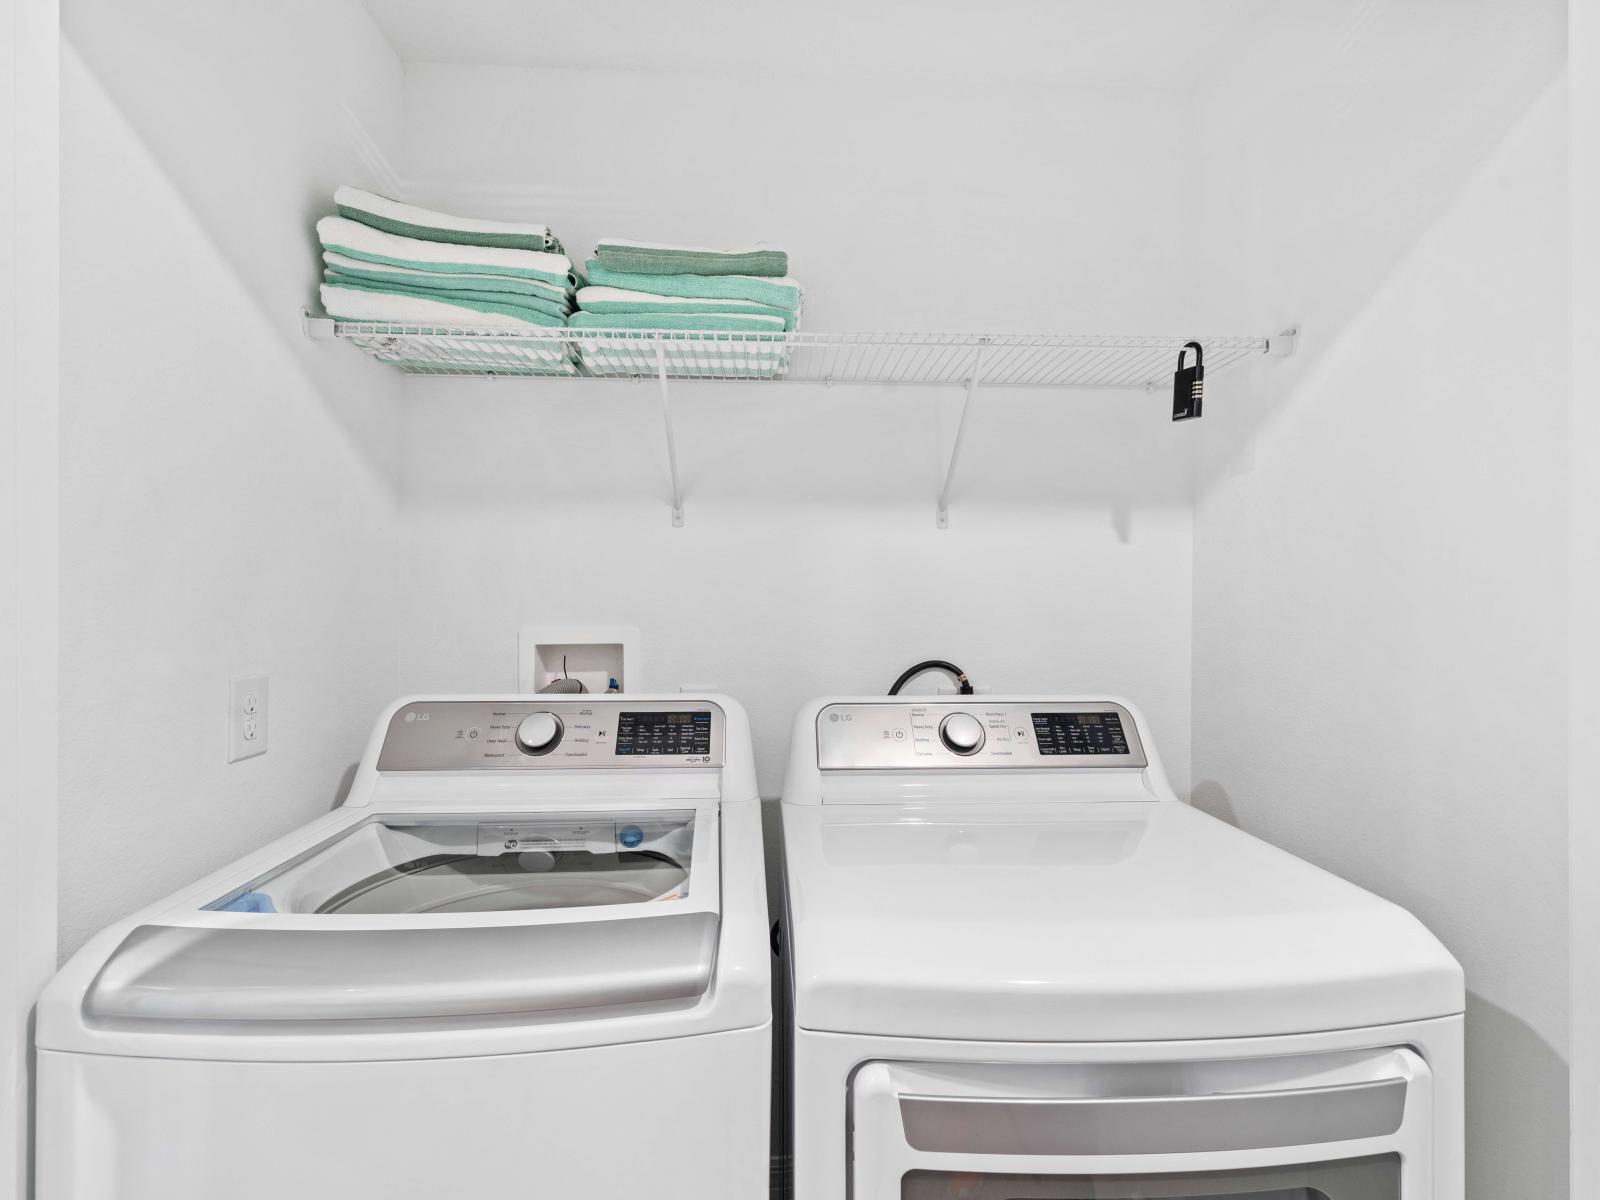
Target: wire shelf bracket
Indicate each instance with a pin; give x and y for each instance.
(317, 328)
(672, 444)
(942, 517)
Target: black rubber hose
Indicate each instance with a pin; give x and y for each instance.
(934, 664)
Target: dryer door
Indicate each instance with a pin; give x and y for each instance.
(1342, 1126)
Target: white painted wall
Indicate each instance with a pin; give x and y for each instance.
(29, 279)
(1380, 534)
(1583, 601)
(810, 562)
(228, 497)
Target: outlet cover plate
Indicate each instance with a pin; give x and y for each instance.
(247, 717)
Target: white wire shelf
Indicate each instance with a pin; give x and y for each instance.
(913, 359)
(964, 360)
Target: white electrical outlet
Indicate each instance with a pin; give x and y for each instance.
(247, 717)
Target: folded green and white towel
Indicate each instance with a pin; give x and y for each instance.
(459, 358)
(606, 364)
(691, 322)
(355, 240)
(466, 281)
(500, 360)
(407, 220)
(620, 300)
(779, 293)
(392, 308)
(472, 356)
(467, 297)
(656, 258)
(429, 366)
(731, 358)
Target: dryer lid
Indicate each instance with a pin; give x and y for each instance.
(1099, 922)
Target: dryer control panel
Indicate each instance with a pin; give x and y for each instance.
(964, 732)
(551, 733)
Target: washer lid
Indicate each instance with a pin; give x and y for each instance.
(416, 917)
(418, 864)
(1102, 922)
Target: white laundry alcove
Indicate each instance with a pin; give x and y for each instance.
(1339, 597)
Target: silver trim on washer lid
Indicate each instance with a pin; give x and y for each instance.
(205, 974)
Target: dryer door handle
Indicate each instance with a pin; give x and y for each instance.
(1155, 1124)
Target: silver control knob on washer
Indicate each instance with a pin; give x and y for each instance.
(539, 733)
(961, 733)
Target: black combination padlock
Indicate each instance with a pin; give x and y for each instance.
(1188, 385)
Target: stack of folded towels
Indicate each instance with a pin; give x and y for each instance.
(397, 264)
(733, 293)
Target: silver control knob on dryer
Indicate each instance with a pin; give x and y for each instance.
(539, 733)
(961, 733)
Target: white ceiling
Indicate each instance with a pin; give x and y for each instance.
(1095, 43)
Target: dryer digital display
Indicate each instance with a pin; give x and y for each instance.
(1079, 733)
(673, 733)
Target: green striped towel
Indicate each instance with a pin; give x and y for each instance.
(654, 258)
(428, 366)
(428, 311)
(620, 300)
(758, 359)
(603, 362)
(691, 322)
(486, 356)
(779, 293)
(464, 360)
(355, 240)
(720, 358)
(466, 281)
(463, 296)
(408, 220)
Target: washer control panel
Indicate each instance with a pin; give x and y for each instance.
(539, 733)
(964, 732)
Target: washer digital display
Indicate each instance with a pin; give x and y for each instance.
(665, 733)
(1079, 733)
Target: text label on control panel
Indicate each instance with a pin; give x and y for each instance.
(1079, 733)
(656, 733)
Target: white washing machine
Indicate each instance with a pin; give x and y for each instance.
(528, 956)
(1022, 968)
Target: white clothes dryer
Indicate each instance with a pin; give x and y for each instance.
(528, 955)
(1022, 968)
